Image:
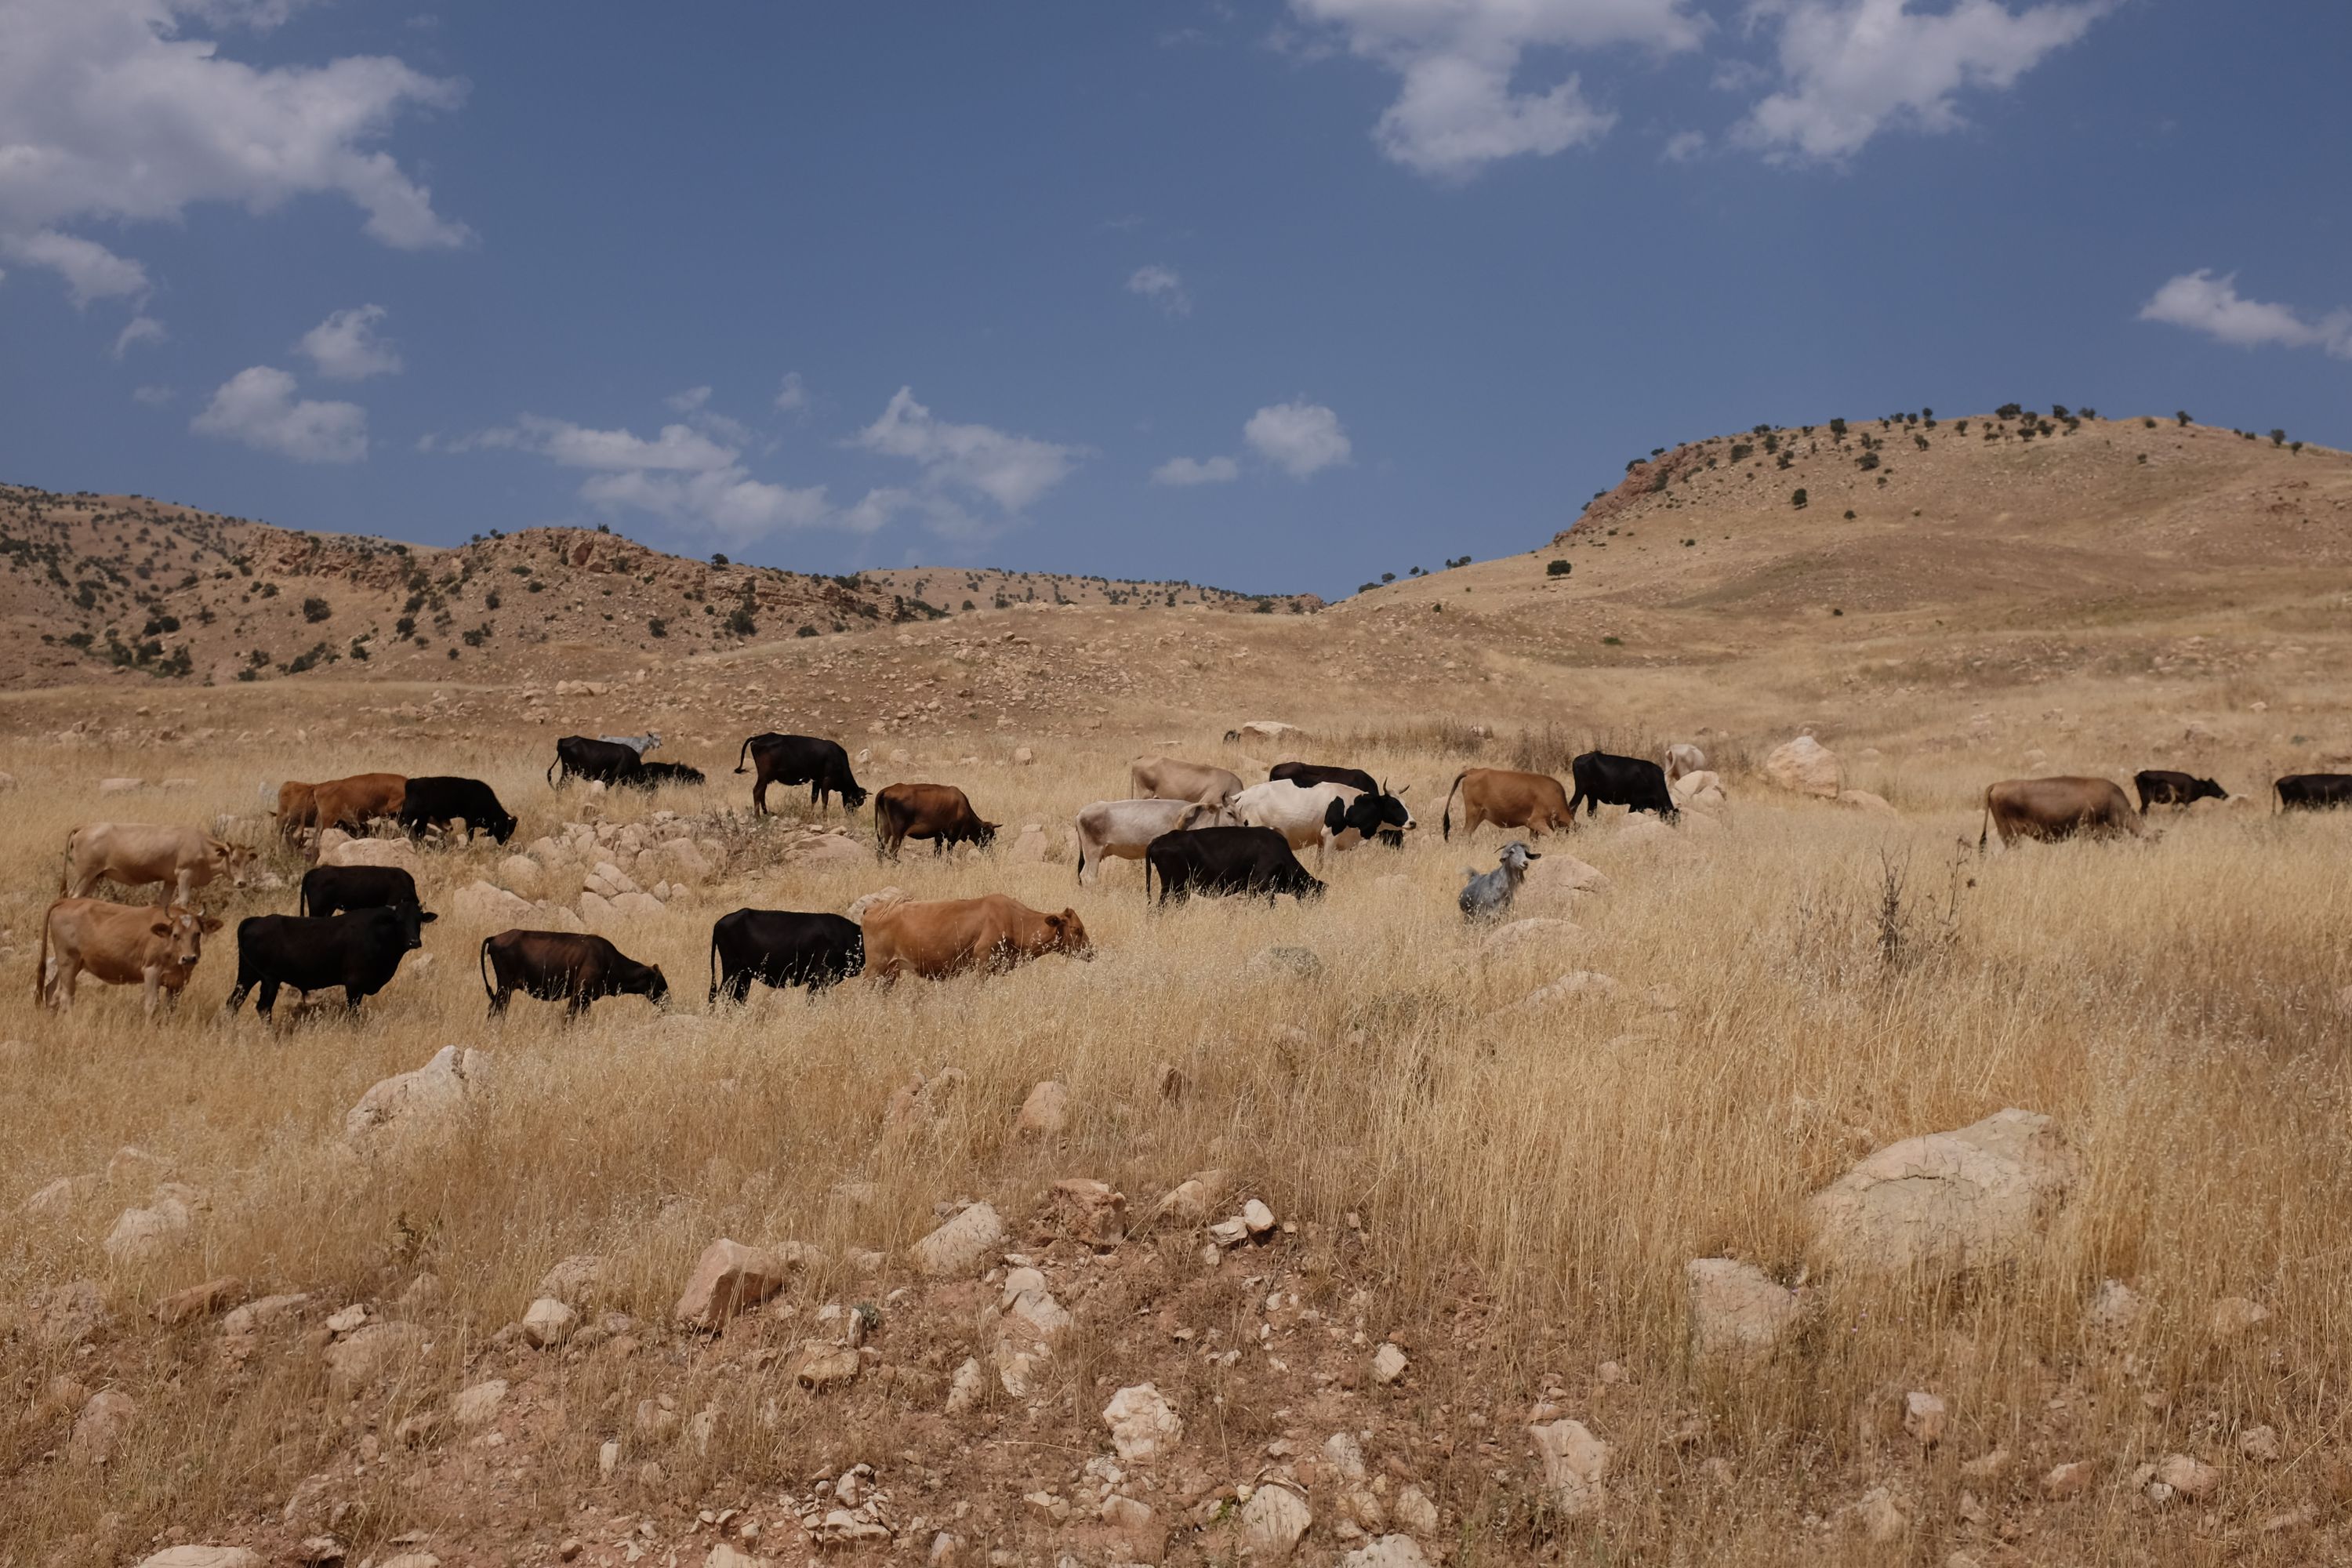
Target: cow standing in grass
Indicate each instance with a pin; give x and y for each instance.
(122, 944)
(571, 967)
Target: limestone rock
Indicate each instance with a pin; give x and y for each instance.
(1272, 1522)
(1803, 766)
(1534, 935)
(1280, 962)
(478, 1405)
(1416, 1511)
(1869, 804)
(1142, 1425)
(482, 903)
(1388, 1365)
(575, 1281)
(2070, 1479)
(2116, 1310)
(101, 1427)
(820, 849)
(1737, 1312)
(255, 1316)
(2261, 1442)
(1196, 1198)
(397, 853)
(422, 1101)
(143, 1234)
(2189, 1478)
(1034, 847)
(967, 1386)
(1388, 1552)
(961, 1245)
(2233, 1316)
(1575, 1465)
(549, 1322)
(729, 1278)
(1924, 1416)
(354, 1362)
(203, 1557)
(1881, 1517)
(1946, 1202)
(1046, 1113)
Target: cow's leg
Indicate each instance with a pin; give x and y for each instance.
(760, 793)
(263, 1002)
(578, 1006)
(151, 976)
(65, 969)
(501, 998)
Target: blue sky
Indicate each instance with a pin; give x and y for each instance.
(1275, 296)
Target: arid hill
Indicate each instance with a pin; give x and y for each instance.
(100, 582)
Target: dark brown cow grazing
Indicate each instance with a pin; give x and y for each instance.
(298, 808)
(2053, 809)
(563, 966)
(1508, 799)
(937, 812)
(351, 804)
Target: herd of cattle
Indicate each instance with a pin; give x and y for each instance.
(1197, 828)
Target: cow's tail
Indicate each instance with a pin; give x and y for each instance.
(487, 989)
(1446, 817)
(302, 896)
(1984, 831)
(41, 964)
(714, 966)
(1146, 879)
(65, 867)
(742, 754)
(2278, 798)
(551, 767)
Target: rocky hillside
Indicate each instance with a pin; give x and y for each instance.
(100, 583)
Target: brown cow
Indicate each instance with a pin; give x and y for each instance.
(351, 804)
(136, 853)
(122, 944)
(1508, 799)
(1166, 778)
(951, 936)
(2052, 809)
(937, 812)
(298, 805)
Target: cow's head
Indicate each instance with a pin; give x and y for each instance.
(1299, 884)
(231, 860)
(852, 795)
(185, 929)
(1368, 814)
(1066, 933)
(985, 834)
(1516, 855)
(2206, 789)
(413, 921)
(657, 984)
(502, 827)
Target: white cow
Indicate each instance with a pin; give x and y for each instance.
(1681, 757)
(1168, 778)
(1125, 828)
(1327, 815)
(137, 853)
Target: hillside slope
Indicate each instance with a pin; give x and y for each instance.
(96, 584)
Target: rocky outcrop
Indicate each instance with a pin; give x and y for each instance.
(1948, 1200)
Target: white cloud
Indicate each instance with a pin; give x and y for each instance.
(345, 346)
(792, 396)
(1299, 438)
(110, 110)
(686, 402)
(1163, 287)
(728, 501)
(1196, 471)
(91, 270)
(1683, 146)
(877, 509)
(1013, 471)
(138, 329)
(1851, 68)
(1458, 107)
(2204, 303)
(677, 448)
(154, 397)
(257, 407)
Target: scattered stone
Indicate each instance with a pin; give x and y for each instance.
(549, 1322)
(1031, 848)
(1881, 1517)
(2293, 1518)
(2069, 1479)
(350, 1320)
(1575, 1464)
(2260, 1443)
(1388, 1552)
(259, 1314)
(1142, 1425)
(1534, 934)
(1923, 1417)
(1196, 1198)
(1046, 1113)
(1737, 1312)
(1986, 1467)
(52, 1201)
(1948, 1200)
(1272, 1522)
(203, 1557)
(199, 1300)
(354, 1362)
(1416, 1511)
(575, 1281)
(1286, 964)
(729, 1278)
(961, 1245)
(1803, 766)
(1388, 1365)
(2116, 1310)
(423, 1101)
(99, 1430)
(67, 1314)
(1257, 1217)
(1870, 804)
(143, 1234)
(478, 1405)
(2189, 1478)
(397, 853)
(823, 1367)
(966, 1388)
(2235, 1315)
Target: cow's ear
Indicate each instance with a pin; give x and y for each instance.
(1069, 917)
(161, 928)
(427, 917)
(210, 923)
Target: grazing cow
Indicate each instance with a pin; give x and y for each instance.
(2314, 792)
(122, 944)
(951, 936)
(351, 804)
(564, 966)
(1306, 773)
(1327, 816)
(2161, 786)
(136, 853)
(937, 812)
(808, 760)
(1636, 783)
(1125, 828)
(359, 952)
(439, 800)
(1488, 895)
(1166, 778)
(605, 761)
(330, 889)
(2055, 808)
(1216, 861)
(648, 741)
(1681, 757)
(1508, 799)
(651, 775)
(298, 808)
(780, 948)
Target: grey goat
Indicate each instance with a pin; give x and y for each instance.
(1488, 895)
(648, 741)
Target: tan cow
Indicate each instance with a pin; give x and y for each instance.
(1508, 799)
(122, 944)
(351, 804)
(298, 808)
(1125, 828)
(1166, 778)
(2052, 809)
(951, 936)
(137, 853)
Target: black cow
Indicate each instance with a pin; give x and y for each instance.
(330, 889)
(2161, 786)
(601, 762)
(564, 966)
(808, 760)
(359, 952)
(652, 775)
(1216, 861)
(443, 799)
(1634, 782)
(2314, 792)
(780, 948)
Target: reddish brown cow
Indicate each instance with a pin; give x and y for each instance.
(122, 944)
(1508, 799)
(2055, 808)
(951, 936)
(937, 812)
(298, 805)
(351, 804)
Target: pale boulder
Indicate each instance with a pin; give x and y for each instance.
(1272, 1522)
(478, 1405)
(523, 874)
(819, 849)
(1805, 766)
(549, 1322)
(1046, 1113)
(397, 853)
(1034, 847)
(960, 1245)
(203, 1557)
(143, 1234)
(1946, 1202)
(729, 1278)
(1142, 1425)
(482, 903)
(1536, 935)
(1575, 1465)
(2233, 1316)
(101, 1425)
(1737, 1312)
(1388, 1552)
(1869, 804)
(423, 1101)
(357, 1359)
